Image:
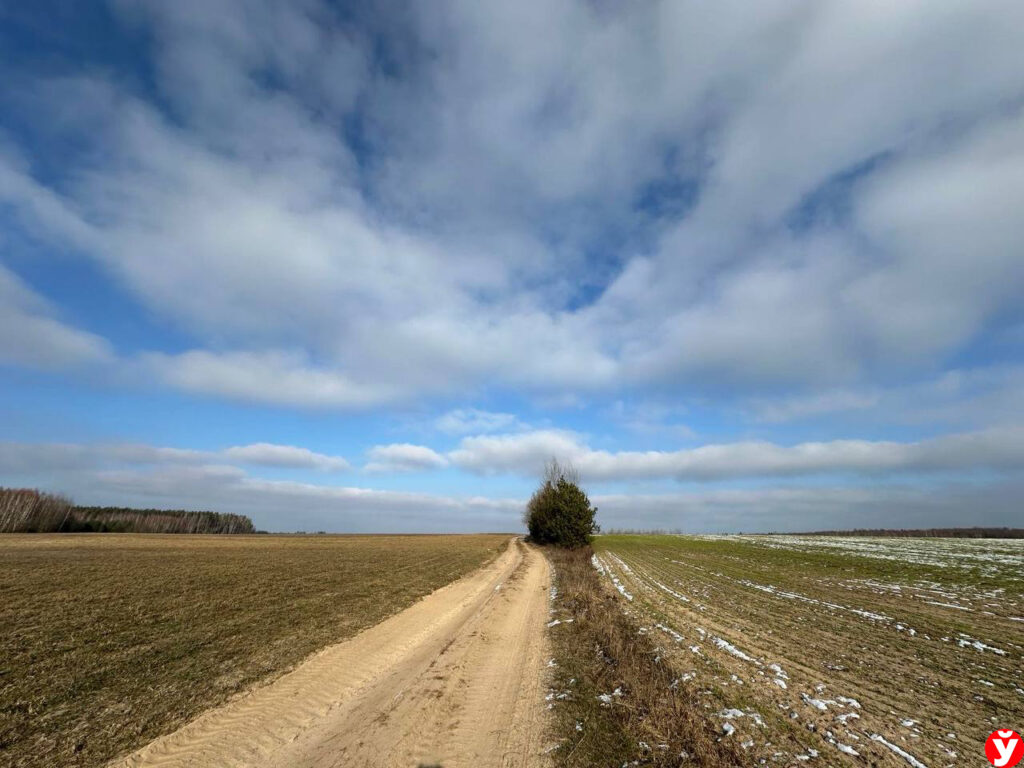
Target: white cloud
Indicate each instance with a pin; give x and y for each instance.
(464, 244)
(797, 407)
(44, 457)
(270, 455)
(277, 505)
(289, 506)
(41, 458)
(404, 457)
(796, 509)
(264, 377)
(467, 421)
(958, 398)
(31, 336)
(524, 453)
(652, 418)
(999, 449)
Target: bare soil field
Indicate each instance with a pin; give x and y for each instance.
(108, 641)
(455, 680)
(842, 651)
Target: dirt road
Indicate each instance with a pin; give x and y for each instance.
(455, 680)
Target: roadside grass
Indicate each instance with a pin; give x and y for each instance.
(110, 640)
(615, 699)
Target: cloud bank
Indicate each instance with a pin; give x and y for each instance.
(796, 196)
(761, 243)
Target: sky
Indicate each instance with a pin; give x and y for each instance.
(366, 266)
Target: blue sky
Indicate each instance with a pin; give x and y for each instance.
(365, 267)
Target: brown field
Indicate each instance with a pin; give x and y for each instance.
(108, 641)
(888, 652)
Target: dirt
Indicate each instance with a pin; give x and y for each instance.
(109, 641)
(807, 649)
(458, 679)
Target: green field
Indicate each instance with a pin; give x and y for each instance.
(852, 649)
(109, 640)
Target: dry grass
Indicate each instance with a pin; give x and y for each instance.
(920, 642)
(107, 641)
(649, 715)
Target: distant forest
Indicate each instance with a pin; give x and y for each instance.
(25, 510)
(935, 533)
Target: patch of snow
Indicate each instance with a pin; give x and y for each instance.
(949, 605)
(606, 698)
(729, 647)
(618, 560)
(668, 630)
(816, 703)
(901, 752)
(672, 592)
(966, 641)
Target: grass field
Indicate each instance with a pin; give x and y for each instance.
(107, 641)
(849, 650)
(613, 700)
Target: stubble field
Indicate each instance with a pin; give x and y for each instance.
(109, 640)
(836, 651)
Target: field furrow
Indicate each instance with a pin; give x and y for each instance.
(837, 648)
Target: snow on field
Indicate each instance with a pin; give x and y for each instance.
(670, 591)
(786, 595)
(669, 631)
(899, 751)
(618, 560)
(725, 645)
(893, 639)
(966, 641)
(986, 555)
(605, 569)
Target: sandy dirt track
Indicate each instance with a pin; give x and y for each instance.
(455, 680)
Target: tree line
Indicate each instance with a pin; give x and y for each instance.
(24, 510)
(932, 533)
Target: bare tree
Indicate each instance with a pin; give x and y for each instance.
(555, 470)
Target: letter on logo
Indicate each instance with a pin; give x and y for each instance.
(1004, 749)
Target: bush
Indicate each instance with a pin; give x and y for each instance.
(559, 512)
